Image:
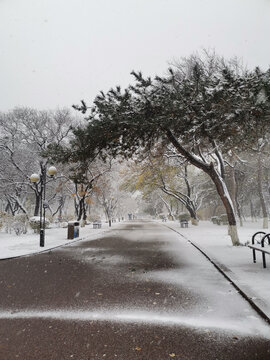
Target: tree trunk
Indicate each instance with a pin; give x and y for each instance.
(84, 211)
(37, 205)
(185, 202)
(231, 185)
(218, 181)
(239, 213)
(194, 222)
(7, 207)
(80, 212)
(252, 213)
(168, 207)
(238, 206)
(227, 202)
(233, 190)
(84, 215)
(260, 191)
(193, 215)
(10, 207)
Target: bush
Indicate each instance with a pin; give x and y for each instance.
(93, 216)
(18, 227)
(1, 219)
(184, 216)
(17, 223)
(224, 219)
(34, 222)
(7, 222)
(20, 224)
(216, 220)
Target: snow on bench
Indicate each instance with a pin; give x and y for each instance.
(97, 224)
(259, 239)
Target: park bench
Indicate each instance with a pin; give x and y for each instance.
(97, 224)
(183, 223)
(258, 244)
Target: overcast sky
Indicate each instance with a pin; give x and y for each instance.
(55, 52)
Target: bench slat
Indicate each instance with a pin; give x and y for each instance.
(259, 249)
(262, 250)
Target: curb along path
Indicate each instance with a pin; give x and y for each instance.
(91, 236)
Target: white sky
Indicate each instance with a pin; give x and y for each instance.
(55, 52)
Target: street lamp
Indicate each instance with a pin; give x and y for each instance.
(36, 178)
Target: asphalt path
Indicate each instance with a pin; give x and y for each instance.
(139, 292)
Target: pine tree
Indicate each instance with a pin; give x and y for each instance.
(201, 109)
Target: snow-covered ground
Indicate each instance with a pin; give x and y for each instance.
(236, 262)
(12, 245)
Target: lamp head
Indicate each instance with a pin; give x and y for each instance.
(34, 178)
(52, 171)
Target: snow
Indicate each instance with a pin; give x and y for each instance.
(235, 261)
(35, 219)
(136, 316)
(214, 240)
(12, 245)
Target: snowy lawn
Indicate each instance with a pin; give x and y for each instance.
(12, 245)
(237, 262)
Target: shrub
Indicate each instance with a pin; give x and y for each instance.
(64, 224)
(7, 222)
(184, 216)
(1, 219)
(20, 224)
(93, 216)
(17, 223)
(216, 220)
(34, 222)
(224, 219)
(18, 227)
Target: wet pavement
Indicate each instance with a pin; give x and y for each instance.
(139, 292)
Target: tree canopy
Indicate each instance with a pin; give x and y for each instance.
(200, 109)
(197, 101)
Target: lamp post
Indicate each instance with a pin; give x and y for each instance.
(36, 178)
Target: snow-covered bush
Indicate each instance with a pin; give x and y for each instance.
(216, 220)
(93, 216)
(50, 218)
(1, 219)
(64, 224)
(224, 219)
(19, 224)
(162, 217)
(69, 217)
(34, 222)
(7, 222)
(184, 216)
(18, 227)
